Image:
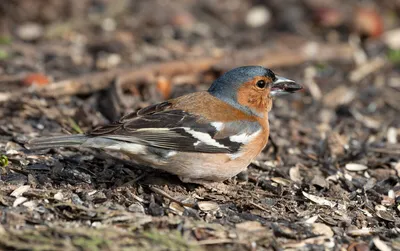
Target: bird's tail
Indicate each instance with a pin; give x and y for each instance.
(57, 141)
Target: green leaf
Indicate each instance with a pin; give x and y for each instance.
(3, 161)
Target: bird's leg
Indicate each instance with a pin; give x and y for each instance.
(275, 148)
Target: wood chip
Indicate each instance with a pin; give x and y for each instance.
(322, 229)
(294, 174)
(309, 78)
(319, 200)
(341, 95)
(392, 135)
(397, 168)
(20, 190)
(366, 120)
(280, 180)
(30, 204)
(208, 206)
(311, 219)
(385, 215)
(249, 226)
(18, 201)
(176, 208)
(379, 244)
(360, 232)
(366, 69)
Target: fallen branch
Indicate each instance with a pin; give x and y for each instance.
(270, 57)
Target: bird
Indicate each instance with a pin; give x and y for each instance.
(202, 137)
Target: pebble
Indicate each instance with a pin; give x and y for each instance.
(30, 31)
(258, 16)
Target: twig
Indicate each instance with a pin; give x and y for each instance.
(366, 69)
(393, 151)
(259, 207)
(271, 57)
(164, 194)
(219, 241)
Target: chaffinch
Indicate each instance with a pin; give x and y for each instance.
(202, 137)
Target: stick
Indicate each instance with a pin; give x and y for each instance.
(270, 57)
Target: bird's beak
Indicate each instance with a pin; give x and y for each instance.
(283, 86)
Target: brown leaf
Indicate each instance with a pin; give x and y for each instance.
(368, 21)
(36, 79)
(164, 87)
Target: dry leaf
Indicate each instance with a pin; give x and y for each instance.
(164, 87)
(368, 21)
(36, 79)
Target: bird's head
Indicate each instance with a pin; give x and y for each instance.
(251, 88)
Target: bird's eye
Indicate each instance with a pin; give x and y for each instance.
(261, 84)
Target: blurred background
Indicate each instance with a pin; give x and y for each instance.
(67, 66)
(345, 53)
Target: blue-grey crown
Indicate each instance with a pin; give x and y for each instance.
(226, 86)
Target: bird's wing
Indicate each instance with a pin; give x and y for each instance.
(164, 126)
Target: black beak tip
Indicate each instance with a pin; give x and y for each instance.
(293, 87)
(287, 87)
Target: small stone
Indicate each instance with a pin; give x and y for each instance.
(258, 16)
(108, 24)
(58, 196)
(30, 31)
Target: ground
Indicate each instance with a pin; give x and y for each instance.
(328, 179)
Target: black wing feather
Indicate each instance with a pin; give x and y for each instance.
(160, 126)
